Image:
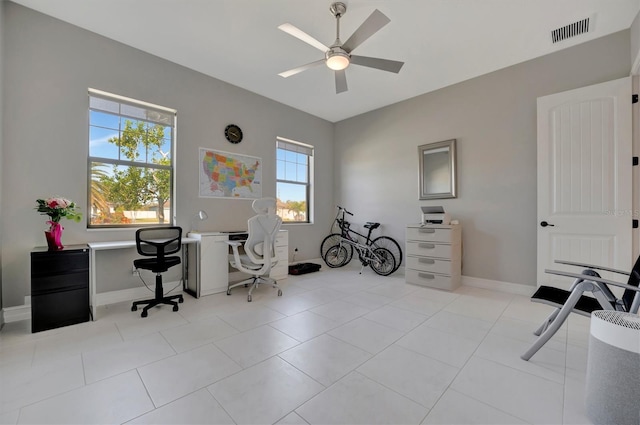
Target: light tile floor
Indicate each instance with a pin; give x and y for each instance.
(337, 348)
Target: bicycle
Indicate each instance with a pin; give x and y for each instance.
(383, 254)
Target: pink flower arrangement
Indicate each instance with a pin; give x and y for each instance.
(58, 207)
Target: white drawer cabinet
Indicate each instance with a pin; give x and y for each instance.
(430, 233)
(281, 269)
(434, 255)
(212, 262)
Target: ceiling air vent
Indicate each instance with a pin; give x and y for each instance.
(571, 30)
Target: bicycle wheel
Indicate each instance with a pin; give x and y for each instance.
(390, 245)
(384, 262)
(336, 256)
(333, 240)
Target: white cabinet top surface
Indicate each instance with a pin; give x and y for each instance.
(432, 226)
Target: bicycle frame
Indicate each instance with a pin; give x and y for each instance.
(365, 253)
(382, 253)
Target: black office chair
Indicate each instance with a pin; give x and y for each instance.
(157, 242)
(574, 300)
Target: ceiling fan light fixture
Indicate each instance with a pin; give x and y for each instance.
(337, 60)
(337, 56)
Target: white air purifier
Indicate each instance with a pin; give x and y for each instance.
(613, 368)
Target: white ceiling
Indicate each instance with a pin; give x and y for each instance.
(442, 42)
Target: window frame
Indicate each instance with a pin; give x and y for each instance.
(122, 100)
(309, 151)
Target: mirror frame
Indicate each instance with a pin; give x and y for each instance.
(422, 150)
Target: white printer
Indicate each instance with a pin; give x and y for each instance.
(434, 215)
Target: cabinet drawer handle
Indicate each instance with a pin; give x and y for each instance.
(426, 245)
(426, 230)
(426, 261)
(426, 276)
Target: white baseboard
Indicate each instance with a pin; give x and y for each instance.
(496, 285)
(113, 297)
(477, 282)
(132, 294)
(16, 314)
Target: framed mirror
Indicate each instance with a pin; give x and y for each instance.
(438, 170)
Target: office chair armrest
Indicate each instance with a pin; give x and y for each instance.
(235, 246)
(590, 266)
(593, 279)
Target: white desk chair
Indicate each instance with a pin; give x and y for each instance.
(259, 248)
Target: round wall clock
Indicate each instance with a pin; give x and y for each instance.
(233, 133)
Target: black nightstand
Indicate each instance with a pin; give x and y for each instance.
(59, 287)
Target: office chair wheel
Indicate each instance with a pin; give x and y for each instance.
(279, 292)
(144, 314)
(134, 308)
(180, 300)
(175, 308)
(248, 298)
(228, 292)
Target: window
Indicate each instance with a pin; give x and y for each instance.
(294, 168)
(131, 162)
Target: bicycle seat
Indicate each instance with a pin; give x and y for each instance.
(371, 225)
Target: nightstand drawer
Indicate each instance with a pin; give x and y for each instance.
(431, 265)
(428, 234)
(281, 252)
(432, 280)
(46, 264)
(428, 249)
(282, 239)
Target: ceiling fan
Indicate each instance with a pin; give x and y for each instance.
(338, 56)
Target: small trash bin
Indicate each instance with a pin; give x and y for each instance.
(613, 368)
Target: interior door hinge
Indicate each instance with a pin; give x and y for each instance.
(635, 224)
(634, 98)
(635, 160)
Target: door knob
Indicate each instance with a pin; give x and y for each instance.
(545, 224)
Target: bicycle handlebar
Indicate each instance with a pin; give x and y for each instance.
(344, 209)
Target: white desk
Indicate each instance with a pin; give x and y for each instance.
(101, 246)
(213, 264)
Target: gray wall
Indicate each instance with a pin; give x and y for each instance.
(48, 67)
(493, 118)
(2, 6)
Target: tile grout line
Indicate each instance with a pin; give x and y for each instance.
(465, 364)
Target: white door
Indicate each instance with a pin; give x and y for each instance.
(585, 178)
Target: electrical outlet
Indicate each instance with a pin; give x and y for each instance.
(135, 271)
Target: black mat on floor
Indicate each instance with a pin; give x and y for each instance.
(303, 268)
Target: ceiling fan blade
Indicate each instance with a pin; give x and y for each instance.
(377, 63)
(370, 26)
(301, 35)
(299, 69)
(341, 81)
